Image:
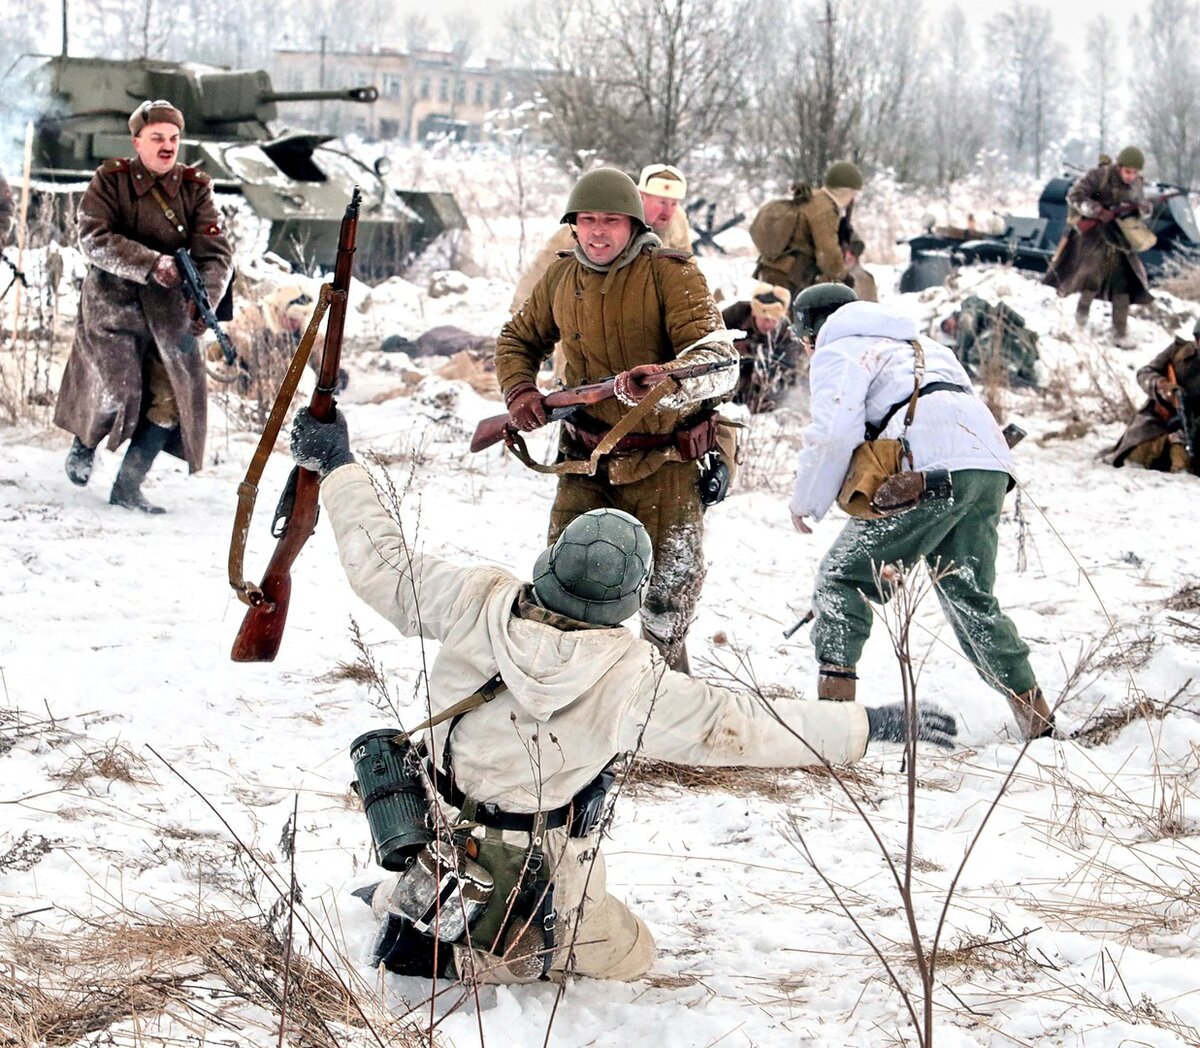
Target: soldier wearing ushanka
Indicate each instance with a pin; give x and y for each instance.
(135, 372)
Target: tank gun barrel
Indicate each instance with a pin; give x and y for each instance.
(337, 94)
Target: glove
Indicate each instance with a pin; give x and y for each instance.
(320, 446)
(1166, 391)
(197, 321)
(1089, 209)
(886, 724)
(525, 406)
(165, 273)
(631, 386)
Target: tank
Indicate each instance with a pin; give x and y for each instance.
(1029, 243)
(295, 183)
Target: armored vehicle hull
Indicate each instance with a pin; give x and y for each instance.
(294, 184)
(1030, 243)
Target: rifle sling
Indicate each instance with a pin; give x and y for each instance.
(587, 467)
(247, 592)
(173, 218)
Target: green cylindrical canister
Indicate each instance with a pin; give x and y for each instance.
(388, 779)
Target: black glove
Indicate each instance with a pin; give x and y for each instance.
(320, 446)
(886, 724)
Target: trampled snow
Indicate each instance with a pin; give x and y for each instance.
(1074, 921)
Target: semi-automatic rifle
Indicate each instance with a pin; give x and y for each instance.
(563, 403)
(261, 632)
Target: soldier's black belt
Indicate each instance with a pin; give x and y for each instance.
(496, 817)
(874, 429)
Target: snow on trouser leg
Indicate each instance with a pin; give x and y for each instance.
(674, 592)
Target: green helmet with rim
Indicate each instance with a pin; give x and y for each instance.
(814, 305)
(597, 569)
(606, 189)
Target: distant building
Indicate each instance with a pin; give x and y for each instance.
(421, 93)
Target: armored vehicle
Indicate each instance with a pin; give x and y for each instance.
(293, 183)
(1030, 243)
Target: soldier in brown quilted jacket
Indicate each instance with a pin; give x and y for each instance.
(620, 306)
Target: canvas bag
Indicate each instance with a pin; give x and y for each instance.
(775, 223)
(874, 461)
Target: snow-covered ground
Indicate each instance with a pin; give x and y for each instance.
(125, 728)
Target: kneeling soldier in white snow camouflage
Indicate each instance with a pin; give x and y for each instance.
(523, 779)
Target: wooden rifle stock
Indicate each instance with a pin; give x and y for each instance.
(562, 402)
(261, 631)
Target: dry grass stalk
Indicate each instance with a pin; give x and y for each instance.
(115, 762)
(62, 988)
(1105, 726)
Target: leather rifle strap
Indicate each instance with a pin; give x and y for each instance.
(247, 592)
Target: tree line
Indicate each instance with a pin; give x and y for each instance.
(774, 91)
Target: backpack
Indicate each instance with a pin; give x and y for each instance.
(775, 223)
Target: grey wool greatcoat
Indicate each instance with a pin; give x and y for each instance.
(1090, 261)
(124, 315)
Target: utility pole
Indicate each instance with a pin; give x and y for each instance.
(64, 28)
(321, 84)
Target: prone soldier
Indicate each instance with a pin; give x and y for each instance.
(1162, 435)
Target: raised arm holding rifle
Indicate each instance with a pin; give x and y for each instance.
(622, 306)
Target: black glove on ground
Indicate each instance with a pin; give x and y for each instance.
(886, 724)
(320, 446)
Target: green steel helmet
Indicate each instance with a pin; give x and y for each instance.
(814, 305)
(606, 189)
(1131, 156)
(597, 569)
(843, 175)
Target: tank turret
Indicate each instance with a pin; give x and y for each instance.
(297, 183)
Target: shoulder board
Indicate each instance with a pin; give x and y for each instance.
(117, 163)
(194, 174)
(673, 253)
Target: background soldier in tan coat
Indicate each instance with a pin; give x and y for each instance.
(622, 306)
(662, 189)
(135, 371)
(1100, 262)
(813, 253)
(525, 774)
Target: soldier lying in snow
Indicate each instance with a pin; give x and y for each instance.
(1162, 435)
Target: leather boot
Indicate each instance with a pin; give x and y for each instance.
(1120, 308)
(674, 653)
(836, 683)
(79, 462)
(1032, 714)
(1083, 307)
(143, 449)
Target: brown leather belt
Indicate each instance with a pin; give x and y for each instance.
(693, 441)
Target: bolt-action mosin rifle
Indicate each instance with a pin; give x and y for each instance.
(261, 632)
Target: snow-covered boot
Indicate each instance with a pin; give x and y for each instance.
(837, 683)
(143, 449)
(1120, 308)
(79, 462)
(674, 652)
(1032, 714)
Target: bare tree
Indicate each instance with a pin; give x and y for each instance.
(637, 80)
(1102, 64)
(958, 108)
(1028, 82)
(1166, 102)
